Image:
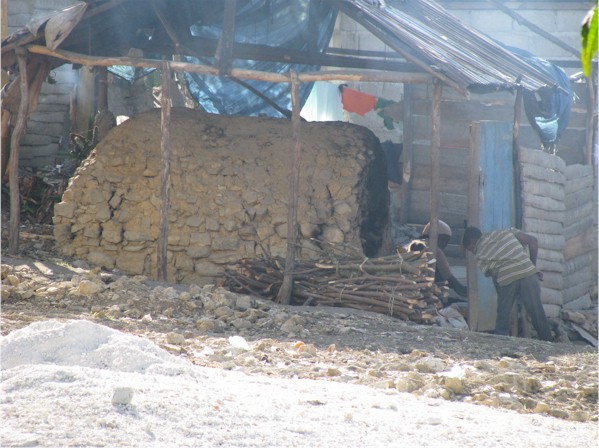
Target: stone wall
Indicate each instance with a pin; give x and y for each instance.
(229, 193)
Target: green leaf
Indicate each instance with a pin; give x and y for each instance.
(588, 33)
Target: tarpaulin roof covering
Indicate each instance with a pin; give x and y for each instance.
(278, 23)
(277, 35)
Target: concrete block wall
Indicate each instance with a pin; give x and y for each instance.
(560, 19)
(46, 140)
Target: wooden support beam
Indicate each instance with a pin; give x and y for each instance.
(4, 31)
(331, 75)
(5, 143)
(170, 30)
(224, 50)
(13, 164)
(407, 154)
(284, 294)
(37, 72)
(244, 84)
(313, 25)
(286, 113)
(165, 173)
(473, 218)
(332, 58)
(435, 164)
(516, 159)
(102, 99)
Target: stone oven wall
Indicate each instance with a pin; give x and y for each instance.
(229, 193)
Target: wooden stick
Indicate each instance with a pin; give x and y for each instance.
(165, 173)
(284, 295)
(407, 154)
(224, 48)
(13, 163)
(516, 159)
(435, 165)
(5, 143)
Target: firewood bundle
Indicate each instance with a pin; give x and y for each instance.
(400, 285)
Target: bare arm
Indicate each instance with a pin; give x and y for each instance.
(531, 242)
(443, 268)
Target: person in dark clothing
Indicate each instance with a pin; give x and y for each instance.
(503, 256)
(442, 271)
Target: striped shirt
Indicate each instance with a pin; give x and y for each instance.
(500, 255)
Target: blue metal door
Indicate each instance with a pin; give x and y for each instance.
(490, 207)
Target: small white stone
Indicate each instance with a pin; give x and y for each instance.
(122, 396)
(239, 342)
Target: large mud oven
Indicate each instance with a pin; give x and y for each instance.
(229, 194)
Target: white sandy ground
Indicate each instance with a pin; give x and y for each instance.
(59, 382)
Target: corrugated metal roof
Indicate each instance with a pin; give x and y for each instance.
(421, 31)
(429, 33)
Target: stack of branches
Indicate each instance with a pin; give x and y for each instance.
(400, 285)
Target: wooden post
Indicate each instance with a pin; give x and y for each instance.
(520, 324)
(473, 217)
(516, 159)
(165, 172)
(5, 133)
(5, 143)
(284, 294)
(224, 49)
(102, 76)
(435, 169)
(4, 31)
(15, 143)
(104, 120)
(407, 154)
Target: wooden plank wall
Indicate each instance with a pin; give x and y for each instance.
(457, 113)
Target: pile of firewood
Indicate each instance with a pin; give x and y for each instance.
(401, 285)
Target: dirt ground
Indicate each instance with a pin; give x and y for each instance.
(335, 344)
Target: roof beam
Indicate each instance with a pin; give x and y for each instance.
(172, 33)
(313, 22)
(224, 49)
(256, 52)
(330, 75)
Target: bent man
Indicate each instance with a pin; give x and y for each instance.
(502, 255)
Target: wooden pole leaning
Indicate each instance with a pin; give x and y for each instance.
(15, 143)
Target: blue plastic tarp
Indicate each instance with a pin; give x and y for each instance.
(277, 23)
